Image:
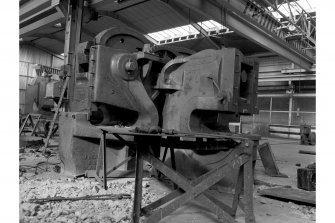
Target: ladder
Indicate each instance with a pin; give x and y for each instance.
(56, 113)
(30, 118)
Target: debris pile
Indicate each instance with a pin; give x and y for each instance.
(94, 210)
(40, 179)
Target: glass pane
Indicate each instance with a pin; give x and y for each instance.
(299, 118)
(304, 104)
(263, 117)
(280, 104)
(280, 118)
(264, 103)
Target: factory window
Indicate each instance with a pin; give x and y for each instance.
(299, 118)
(280, 118)
(264, 103)
(303, 104)
(263, 117)
(280, 104)
(303, 110)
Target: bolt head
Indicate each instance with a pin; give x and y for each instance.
(131, 66)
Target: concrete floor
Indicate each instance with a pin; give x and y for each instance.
(265, 209)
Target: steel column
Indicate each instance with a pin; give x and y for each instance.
(72, 39)
(248, 171)
(244, 26)
(138, 185)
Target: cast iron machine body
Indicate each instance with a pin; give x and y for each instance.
(124, 82)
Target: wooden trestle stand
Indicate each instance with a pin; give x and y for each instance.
(240, 157)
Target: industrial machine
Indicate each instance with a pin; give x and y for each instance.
(123, 81)
(307, 137)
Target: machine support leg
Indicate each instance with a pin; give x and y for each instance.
(238, 190)
(248, 184)
(138, 185)
(173, 162)
(163, 160)
(104, 163)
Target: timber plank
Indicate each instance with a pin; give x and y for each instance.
(291, 194)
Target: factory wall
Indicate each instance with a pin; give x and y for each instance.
(281, 109)
(31, 56)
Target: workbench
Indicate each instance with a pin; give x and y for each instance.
(240, 157)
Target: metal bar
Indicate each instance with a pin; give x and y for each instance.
(138, 184)
(122, 139)
(35, 126)
(120, 164)
(173, 160)
(98, 165)
(24, 124)
(72, 39)
(163, 160)
(91, 197)
(104, 163)
(238, 190)
(244, 26)
(147, 209)
(56, 114)
(248, 170)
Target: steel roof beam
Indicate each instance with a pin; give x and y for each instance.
(49, 13)
(179, 12)
(244, 26)
(113, 5)
(40, 24)
(33, 6)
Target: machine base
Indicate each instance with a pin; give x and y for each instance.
(79, 144)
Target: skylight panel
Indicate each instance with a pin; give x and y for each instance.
(210, 25)
(307, 5)
(174, 32)
(186, 32)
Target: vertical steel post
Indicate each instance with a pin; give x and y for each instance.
(104, 163)
(138, 182)
(290, 107)
(72, 39)
(248, 171)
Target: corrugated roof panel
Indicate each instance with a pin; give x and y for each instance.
(151, 16)
(101, 24)
(50, 44)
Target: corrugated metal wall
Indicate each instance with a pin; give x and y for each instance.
(29, 57)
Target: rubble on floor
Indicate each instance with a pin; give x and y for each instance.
(42, 182)
(40, 177)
